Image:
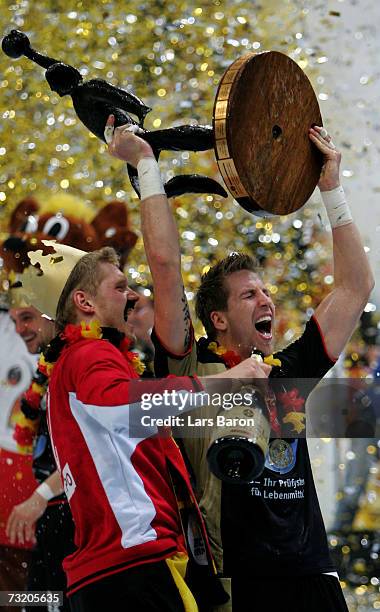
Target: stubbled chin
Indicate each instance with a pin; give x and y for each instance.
(32, 346)
(264, 344)
(129, 332)
(133, 339)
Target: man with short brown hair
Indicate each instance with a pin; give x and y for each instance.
(34, 329)
(213, 293)
(269, 535)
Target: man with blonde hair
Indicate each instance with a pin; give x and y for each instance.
(124, 487)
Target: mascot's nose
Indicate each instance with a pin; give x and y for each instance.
(14, 244)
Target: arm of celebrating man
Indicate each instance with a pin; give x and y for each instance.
(21, 521)
(338, 313)
(172, 320)
(171, 311)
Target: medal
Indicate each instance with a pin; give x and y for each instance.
(280, 454)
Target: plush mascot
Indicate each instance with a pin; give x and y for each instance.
(68, 220)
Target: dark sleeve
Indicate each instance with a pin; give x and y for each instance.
(166, 362)
(307, 357)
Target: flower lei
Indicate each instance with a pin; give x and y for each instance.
(231, 358)
(292, 403)
(27, 422)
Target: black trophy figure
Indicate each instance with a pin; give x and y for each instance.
(96, 99)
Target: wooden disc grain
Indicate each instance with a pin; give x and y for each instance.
(263, 110)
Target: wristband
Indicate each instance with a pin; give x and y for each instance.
(45, 491)
(149, 178)
(336, 206)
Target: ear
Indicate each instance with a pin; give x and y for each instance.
(112, 227)
(25, 208)
(114, 214)
(83, 302)
(218, 320)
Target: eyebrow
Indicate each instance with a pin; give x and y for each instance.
(247, 290)
(264, 289)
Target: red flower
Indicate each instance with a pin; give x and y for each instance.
(43, 369)
(291, 401)
(72, 333)
(24, 436)
(125, 344)
(33, 399)
(231, 359)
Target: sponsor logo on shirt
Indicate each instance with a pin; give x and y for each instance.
(68, 482)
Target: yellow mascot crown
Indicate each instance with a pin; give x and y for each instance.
(41, 284)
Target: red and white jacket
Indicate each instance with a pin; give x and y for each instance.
(118, 486)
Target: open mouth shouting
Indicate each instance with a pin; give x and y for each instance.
(128, 308)
(263, 327)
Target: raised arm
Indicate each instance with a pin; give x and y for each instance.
(339, 312)
(160, 234)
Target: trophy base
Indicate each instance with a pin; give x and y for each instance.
(263, 110)
(235, 459)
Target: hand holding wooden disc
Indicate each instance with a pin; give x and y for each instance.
(263, 110)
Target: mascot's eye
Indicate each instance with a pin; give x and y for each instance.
(57, 227)
(31, 225)
(14, 375)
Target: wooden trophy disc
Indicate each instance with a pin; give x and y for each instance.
(263, 110)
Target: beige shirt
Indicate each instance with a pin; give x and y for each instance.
(208, 487)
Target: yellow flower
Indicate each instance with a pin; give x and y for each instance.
(296, 419)
(93, 330)
(38, 389)
(25, 450)
(46, 364)
(23, 422)
(215, 348)
(272, 361)
(138, 365)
